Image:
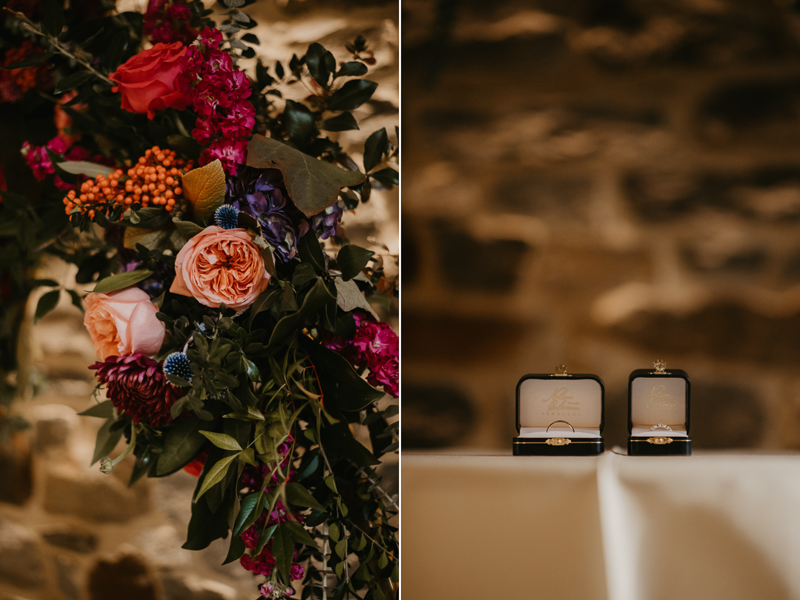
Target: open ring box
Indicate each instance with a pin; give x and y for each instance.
(570, 405)
(658, 412)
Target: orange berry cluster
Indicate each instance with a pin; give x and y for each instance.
(155, 180)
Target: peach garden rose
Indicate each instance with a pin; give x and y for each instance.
(122, 323)
(220, 266)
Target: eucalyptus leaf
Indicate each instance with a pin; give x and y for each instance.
(313, 185)
(121, 281)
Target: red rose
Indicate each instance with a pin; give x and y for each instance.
(147, 80)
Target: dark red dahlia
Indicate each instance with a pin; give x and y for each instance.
(137, 387)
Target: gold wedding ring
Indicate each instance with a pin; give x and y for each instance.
(559, 421)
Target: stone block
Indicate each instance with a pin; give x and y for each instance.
(122, 577)
(21, 562)
(162, 546)
(187, 587)
(16, 469)
(565, 197)
(52, 425)
(93, 496)
(435, 415)
(67, 579)
(725, 415)
(70, 538)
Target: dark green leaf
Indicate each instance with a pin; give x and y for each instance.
(287, 327)
(182, 443)
(77, 302)
(283, 550)
(388, 177)
(205, 525)
(341, 385)
(299, 123)
(352, 94)
(303, 273)
(53, 21)
(352, 69)
(121, 281)
(320, 64)
(107, 439)
(343, 122)
(104, 410)
(313, 185)
(310, 251)
(221, 440)
(72, 81)
(235, 550)
(251, 38)
(298, 495)
(29, 62)
(247, 514)
(215, 475)
(374, 148)
(264, 301)
(79, 167)
(251, 369)
(187, 229)
(47, 303)
(264, 537)
(299, 534)
(352, 259)
(148, 218)
(338, 438)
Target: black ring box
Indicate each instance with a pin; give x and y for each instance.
(547, 398)
(656, 397)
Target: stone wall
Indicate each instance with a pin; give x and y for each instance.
(601, 183)
(68, 532)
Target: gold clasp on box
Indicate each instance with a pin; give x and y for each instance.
(558, 441)
(659, 441)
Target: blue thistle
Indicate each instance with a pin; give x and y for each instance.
(178, 364)
(227, 217)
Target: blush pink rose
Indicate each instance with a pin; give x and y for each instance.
(123, 323)
(147, 80)
(220, 266)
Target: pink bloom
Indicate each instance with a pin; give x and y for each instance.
(230, 153)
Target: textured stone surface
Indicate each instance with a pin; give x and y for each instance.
(77, 540)
(15, 469)
(180, 587)
(21, 561)
(67, 576)
(53, 424)
(435, 416)
(124, 577)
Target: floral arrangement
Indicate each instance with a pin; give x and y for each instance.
(235, 325)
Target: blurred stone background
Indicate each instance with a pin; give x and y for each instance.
(67, 532)
(601, 183)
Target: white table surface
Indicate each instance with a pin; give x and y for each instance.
(610, 527)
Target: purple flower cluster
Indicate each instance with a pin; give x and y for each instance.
(218, 92)
(39, 162)
(327, 221)
(167, 21)
(261, 194)
(374, 346)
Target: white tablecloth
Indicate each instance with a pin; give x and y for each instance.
(610, 527)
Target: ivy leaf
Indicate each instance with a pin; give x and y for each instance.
(205, 188)
(70, 82)
(349, 297)
(121, 281)
(313, 185)
(47, 303)
(298, 495)
(343, 122)
(90, 169)
(107, 439)
(182, 443)
(352, 259)
(352, 94)
(215, 475)
(283, 550)
(221, 440)
(104, 410)
(352, 69)
(310, 251)
(374, 148)
(299, 123)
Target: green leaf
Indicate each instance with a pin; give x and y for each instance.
(221, 440)
(264, 301)
(90, 169)
(298, 495)
(251, 369)
(148, 218)
(387, 177)
(77, 302)
(313, 185)
(341, 549)
(182, 443)
(205, 525)
(47, 303)
(107, 440)
(248, 456)
(187, 229)
(72, 81)
(104, 410)
(287, 327)
(383, 561)
(343, 122)
(333, 532)
(352, 69)
(215, 475)
(299, 533)
(121, 281)
(53, 21)
(235, 550)
(247, 514)
(352, 259)
(29, 62)
(264, 537)
(303, 273)
(320, 63)
(283, 550)
(352, 94)
(310, 251)
(251, 38)
(374, 148)
(299, 123)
